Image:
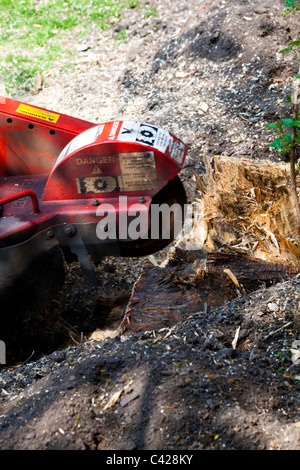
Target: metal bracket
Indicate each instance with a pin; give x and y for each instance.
(68, 235)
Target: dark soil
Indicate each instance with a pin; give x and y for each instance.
(208, 72)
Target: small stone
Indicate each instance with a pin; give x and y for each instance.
(227, 353)
(58, 356)
(273, 307)
(204, 107)
(82, 47)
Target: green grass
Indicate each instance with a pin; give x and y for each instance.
(32, 34)
(151, 11)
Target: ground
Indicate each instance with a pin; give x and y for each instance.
(210, 73)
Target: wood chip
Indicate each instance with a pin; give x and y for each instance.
(115, 396)
(236, 337)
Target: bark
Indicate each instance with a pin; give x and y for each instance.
(163, 296)
(295, 108)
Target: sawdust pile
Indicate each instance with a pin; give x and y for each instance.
(248, 209)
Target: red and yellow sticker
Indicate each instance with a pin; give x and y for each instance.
(37, 113)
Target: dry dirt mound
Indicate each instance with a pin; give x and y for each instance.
(209, 73)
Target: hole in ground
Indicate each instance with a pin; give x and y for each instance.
(69, 319)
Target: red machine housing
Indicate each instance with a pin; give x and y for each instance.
(56, 171)
(64, 164)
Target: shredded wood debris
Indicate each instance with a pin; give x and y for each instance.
(248, 209)
(115, 396)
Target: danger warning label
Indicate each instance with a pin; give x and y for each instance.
(137, 173)
(95, 185)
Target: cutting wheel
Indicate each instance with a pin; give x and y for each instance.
(172, 193)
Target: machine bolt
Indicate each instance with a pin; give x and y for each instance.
(69, 230)
(49, 234)
(142, 200)
(96, 202)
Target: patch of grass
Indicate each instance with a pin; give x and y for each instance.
(150, 11)
(32, 34)
(121, 35)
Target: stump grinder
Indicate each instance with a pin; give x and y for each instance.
(60, 177)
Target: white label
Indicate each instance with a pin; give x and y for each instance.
(145, 134)
(176, 149)
(81, 140)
